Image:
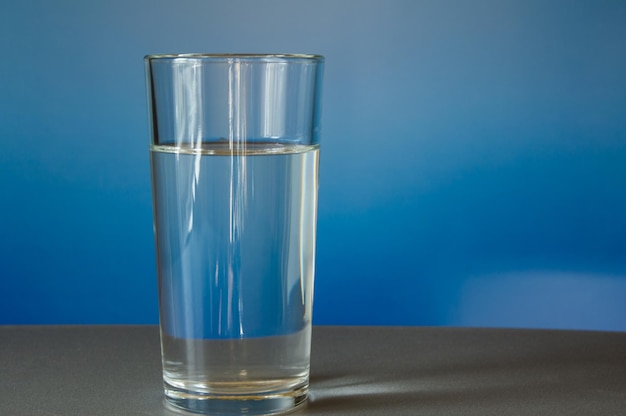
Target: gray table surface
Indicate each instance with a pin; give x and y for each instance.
(115, 370)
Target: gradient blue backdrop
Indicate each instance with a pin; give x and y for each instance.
(473, 168)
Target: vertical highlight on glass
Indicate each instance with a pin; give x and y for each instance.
(234, 157)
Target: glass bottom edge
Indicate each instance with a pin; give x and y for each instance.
(266, 403)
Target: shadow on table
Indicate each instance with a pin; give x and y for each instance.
(461, 371)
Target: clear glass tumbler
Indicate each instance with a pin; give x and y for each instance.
(234, 156)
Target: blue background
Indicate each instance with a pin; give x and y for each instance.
(473, 165)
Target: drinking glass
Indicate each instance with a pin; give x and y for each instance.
(234, 157)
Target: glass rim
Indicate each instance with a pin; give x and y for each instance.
(225, 57)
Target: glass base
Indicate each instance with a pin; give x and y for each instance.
(267, 403)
